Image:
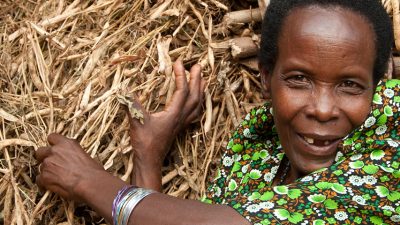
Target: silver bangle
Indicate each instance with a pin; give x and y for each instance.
(128, 203)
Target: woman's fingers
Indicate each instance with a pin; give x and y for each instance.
(195, 78)
(47, 177)
(179, 97)
(44, 183)
(196, 109)
(186, 101)
(42, 153)
(193, 106)
(38, 181)
(194, 86)
(54, 138)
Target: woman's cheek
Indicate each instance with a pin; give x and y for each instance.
(356, 109)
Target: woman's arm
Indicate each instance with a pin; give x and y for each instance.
(68, 171)
(158, 209)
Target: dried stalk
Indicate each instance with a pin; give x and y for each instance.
(243, 16)
(396, 67)
(396, 22)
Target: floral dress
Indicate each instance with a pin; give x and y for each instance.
(361, 187)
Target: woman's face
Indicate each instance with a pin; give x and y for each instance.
(321, 87)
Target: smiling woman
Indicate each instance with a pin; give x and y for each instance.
(323, 149)
(321, 86)
(319, 134)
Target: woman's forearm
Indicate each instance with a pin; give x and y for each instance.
(68, 171)
(160, 209)
(155, 209)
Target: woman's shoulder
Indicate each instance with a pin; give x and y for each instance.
(381, 127)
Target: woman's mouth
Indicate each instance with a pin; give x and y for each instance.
(318, 142)
(320, 145)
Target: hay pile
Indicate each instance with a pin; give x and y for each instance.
(64, 62)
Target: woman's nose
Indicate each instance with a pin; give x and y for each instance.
(323, 106)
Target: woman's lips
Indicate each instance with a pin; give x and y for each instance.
(319, 145)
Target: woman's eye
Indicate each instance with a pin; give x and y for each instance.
(351, 87)
(349, 83)
(300, 78)
(297, 80)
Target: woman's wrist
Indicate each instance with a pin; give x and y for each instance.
(145, 161)
(84, 188)
(99, 191)
(147, 174)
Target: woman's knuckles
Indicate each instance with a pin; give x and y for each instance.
(47, 165)
(47, 180)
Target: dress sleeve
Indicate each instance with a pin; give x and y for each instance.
(239, 154)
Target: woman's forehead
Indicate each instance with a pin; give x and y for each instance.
(333, 23)
(326, 42)
(326, 32)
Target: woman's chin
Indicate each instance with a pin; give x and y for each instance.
(302, 168)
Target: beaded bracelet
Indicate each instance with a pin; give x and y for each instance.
(125, 202)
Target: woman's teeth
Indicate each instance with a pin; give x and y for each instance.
(317, 142)
(309, 140)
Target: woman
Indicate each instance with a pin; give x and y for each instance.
(325, 156)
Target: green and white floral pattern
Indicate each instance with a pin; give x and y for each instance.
(361, 187)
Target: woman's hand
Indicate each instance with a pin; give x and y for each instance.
(152, 140)
(64, 165)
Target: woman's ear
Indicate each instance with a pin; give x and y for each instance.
(265, 82)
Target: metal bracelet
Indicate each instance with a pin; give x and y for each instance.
(124, 205)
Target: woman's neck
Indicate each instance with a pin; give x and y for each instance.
(292, 175)
(286, 173)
